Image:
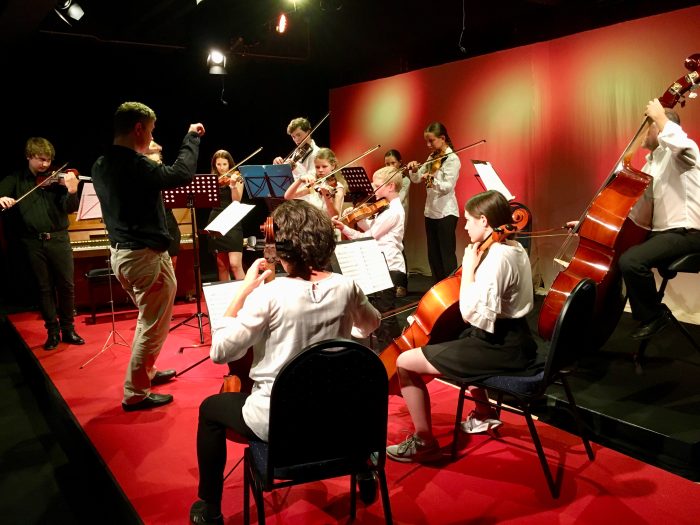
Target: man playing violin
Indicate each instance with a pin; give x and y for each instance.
(496, 293)
(302, 159)
(43, 219)
(387, 227)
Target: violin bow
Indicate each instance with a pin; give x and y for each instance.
(241, 162)
(306, 139)
(42, 183)
(337, 170)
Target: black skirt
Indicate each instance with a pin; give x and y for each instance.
(231, 242)
(478, 354)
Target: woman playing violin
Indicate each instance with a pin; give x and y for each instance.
(496, 293)
(441, 208)
(302, 159)
(229, 248)
(328, 194)
(387, 228)
(42, 223)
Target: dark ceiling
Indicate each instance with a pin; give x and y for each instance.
(342, 40)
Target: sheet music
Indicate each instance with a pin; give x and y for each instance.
(218, 297)
(89, 207)
(227, 219)
(491, 179)
(362, 260)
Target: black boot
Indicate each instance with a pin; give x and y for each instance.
(70, 337)
(51, 341)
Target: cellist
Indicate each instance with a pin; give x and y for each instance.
(674, 164)
(388, 229)
(496, 293)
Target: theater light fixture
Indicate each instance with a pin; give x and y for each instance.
(281, 26)
(66, 9)
(216, 62)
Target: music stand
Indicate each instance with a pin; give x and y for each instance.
(89, 208)
(202, 192)
(359, 184)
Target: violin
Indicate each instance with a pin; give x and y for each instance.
(329, 184)
(301, 153)
(226, 179)
(364, 211)
(437, 317)
(434, 163)
(58, 177)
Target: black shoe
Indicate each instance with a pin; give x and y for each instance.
(70, 337)
(163, 376)
(199, 514)
(150, 401)
(51, 341)
(652, 327)
(367, 483)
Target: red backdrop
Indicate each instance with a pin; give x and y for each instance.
(556, 117)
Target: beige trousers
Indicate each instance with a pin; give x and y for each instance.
(149, 279)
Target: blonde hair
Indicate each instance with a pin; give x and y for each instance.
(389, 173)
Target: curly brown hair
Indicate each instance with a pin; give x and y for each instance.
(304, 235)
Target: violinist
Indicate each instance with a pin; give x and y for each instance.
(496, 293)
(441, 208)
(43, 222)
(302, 159)
(328, 194)
(393, 158)
(277, 319)
(387, 227)
(674, 164)
(227, 249)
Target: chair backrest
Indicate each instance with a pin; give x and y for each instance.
(329, 402)
(572, 335)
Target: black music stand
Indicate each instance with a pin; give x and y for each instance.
(359, 184)
(202, 192)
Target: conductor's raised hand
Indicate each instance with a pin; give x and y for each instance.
(197, 128)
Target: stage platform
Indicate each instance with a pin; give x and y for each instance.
(141, 467)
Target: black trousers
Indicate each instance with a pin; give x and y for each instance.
(442, 245)
(51, 261)
(660, 249)
(385, 300)
(217, 414)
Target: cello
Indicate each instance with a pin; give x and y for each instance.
(437, 317)
(238, 379)
(618, 217)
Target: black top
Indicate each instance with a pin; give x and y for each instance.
(45, 209)
(128, 186)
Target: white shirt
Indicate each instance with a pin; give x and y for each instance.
(440, 200)
(387, 228)
(502, 287)
(281, 318)
(675, 167)
(307, 167)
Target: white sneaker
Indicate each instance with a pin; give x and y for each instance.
(472, 425)
(414, 449)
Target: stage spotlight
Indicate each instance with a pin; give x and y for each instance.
(70, 9)
(281, 26)
(216, 61)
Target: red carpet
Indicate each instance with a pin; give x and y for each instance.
(152, 453)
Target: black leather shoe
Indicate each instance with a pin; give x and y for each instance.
(163, 376)
(200, 514)
(150, 401)
(51, 341)
(72, 338)
(652, 327)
